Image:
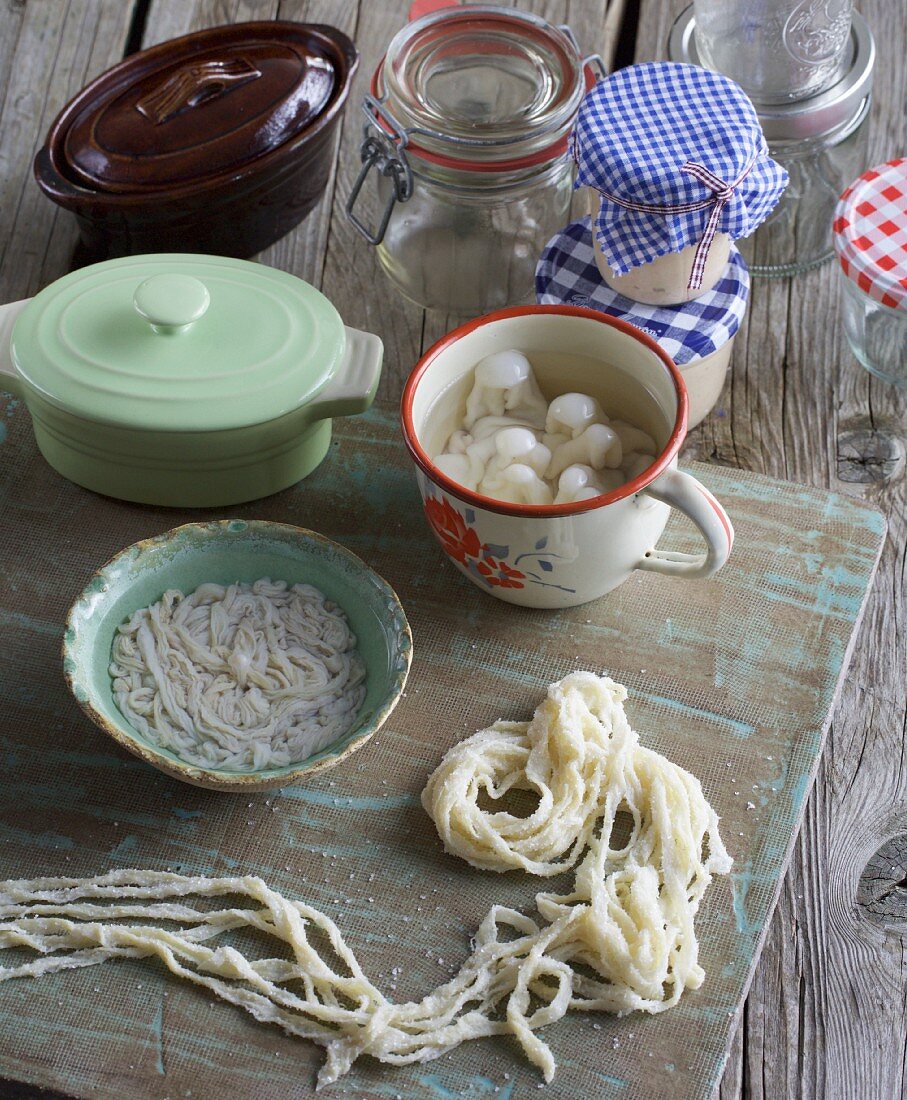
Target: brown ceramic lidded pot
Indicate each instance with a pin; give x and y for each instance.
(219, 141)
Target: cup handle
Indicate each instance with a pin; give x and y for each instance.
(9, 379)
(352, 389)
(684, 492)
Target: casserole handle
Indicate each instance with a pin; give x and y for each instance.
(684, 492)
(9, 380)
(352, 389)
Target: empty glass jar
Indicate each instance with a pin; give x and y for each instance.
(870, 230)
(796, 236)
(776, 50)
(467, 129)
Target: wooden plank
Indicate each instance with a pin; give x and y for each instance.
(745, 675)
(832, 985)
(304, 251)
(826, 1014)
(48, 52)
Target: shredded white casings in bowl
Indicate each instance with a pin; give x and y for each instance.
(240, 678)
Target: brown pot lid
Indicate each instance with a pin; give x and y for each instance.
(201, 106)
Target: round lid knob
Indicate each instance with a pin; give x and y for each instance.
(171, 302)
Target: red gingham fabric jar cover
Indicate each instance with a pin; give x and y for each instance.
(871, 233)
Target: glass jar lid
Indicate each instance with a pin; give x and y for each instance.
(870, 229)
(482, 83)
(803, 119)
(174, 342)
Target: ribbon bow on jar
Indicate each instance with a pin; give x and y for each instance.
(632, 131)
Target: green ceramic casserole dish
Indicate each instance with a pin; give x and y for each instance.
(184, 380)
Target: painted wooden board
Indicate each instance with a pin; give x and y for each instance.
(734, 678)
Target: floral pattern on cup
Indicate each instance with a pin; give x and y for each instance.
(487, 561)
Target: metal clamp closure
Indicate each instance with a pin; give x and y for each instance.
(385, 152)
(593, 61)
(596, 63)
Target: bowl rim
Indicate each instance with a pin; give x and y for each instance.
(212, 778)
(543, 511)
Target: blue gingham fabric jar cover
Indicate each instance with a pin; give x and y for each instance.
(677, 154)
(567, 275)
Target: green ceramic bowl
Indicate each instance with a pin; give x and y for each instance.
(225, 552)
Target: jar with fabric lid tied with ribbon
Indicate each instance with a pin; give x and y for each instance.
(677, 168)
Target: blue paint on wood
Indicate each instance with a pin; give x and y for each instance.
(125, 848)
(741, 880)
(617, 1083)
(484, 1083)
(780, 779)
(55, 757)
(433, 1082)
(157, 1031)
(351, 802)
(18, 620)
(737, 728)
(831, 597)
(117, 813)
(48, 841)
(799, 790)
(40, 794)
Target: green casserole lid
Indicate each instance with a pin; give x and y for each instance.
(174, 342)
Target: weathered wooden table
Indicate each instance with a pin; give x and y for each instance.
(827, 1013)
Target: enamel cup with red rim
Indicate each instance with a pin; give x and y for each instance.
(560, 555)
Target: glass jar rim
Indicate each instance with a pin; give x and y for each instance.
(817, 115)
(535, 132)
